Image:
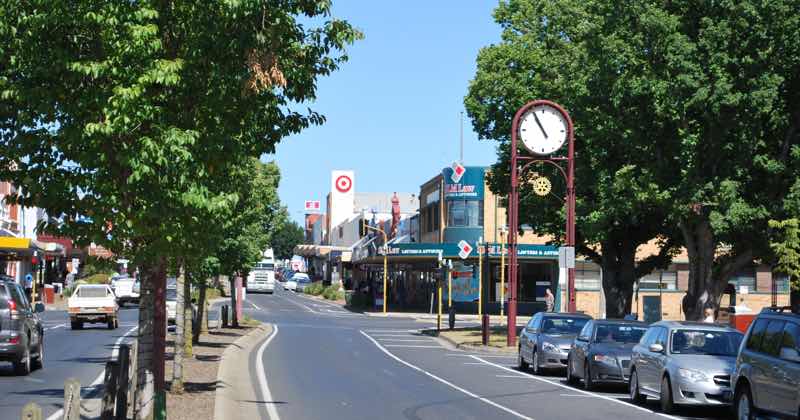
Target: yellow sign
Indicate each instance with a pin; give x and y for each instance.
(541, 186)
(7, 242)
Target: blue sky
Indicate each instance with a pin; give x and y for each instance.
(393, 110)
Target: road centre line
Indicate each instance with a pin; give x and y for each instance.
(114, 353)
(574, 389)
(450, 384)
(511, 376)
(262, 377)
(301, 305)
(403, 340)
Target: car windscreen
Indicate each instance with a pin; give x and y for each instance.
(711, 343)
(92, 292)
(563, 325)
(619, 333)
(172, 294)
(265, 266)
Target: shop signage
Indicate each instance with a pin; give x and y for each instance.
(469, 184)
(464, 249)
(312, 205)
(465, 282)
(343, 183)
(452, 250)
(458, 171)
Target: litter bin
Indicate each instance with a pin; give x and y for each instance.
(49, 294)
(740, 321)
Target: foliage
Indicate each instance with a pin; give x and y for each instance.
(96, 265)
(286, 238)
(787, 249)
(706, 124)
(332, 293)
(316, 288)
(123, 120)
(99, 278)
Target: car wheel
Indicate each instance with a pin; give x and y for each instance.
(636, 397)
(744, 404)
(588, 384)
(521, 363)
(38, 362)
(110, 323)
(571, 379)
(23, 366)
(667, 405)
(535, 363)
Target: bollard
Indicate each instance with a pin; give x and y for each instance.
(223, 313)
(123, 383)
(485, 329)
(451, 316)
(72, 399)
(31, 411)
(109, 390)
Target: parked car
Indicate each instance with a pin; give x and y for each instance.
(686, 363)
(767, 373)
(601, 353)
(125, 290)
(545, 342)
(302, 280)
(172, 305)
(293, 281)
(21, 332)
(93, 303)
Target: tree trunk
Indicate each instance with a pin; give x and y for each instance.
(234, 315)
(794, 299)
(150, 356)
(700, 247)
(201, 313)
(187, 317)
(619, 275)
(177, 360)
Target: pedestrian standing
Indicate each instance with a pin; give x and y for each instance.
(29, 286)
(709, 315)
(549, 300)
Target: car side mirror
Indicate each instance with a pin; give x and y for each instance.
(39, 307)
(656, 348)
(790, 354)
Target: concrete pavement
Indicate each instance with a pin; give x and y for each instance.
(325, 362)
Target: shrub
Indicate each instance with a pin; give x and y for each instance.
(359, 301)
(332, 293)
(99, 278)
(314, 289)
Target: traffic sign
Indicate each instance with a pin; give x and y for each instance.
(566, 257)
(458, 171)
(464, 249)
(344, 183)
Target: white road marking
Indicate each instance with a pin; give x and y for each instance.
(54, 327)
(575, 390)
(254, 305)
(474, 363)
(388, 331)
(414, 347)
(301, 305)
(99, 379)
(578, 395)
(262, 377)
(450, 384)
(510, 376)
(402, 340)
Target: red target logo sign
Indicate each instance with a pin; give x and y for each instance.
(343, 183)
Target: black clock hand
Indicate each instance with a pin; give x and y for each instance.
(539, 124)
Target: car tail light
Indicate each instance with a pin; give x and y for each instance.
(13, 340)
(12, 309)
(74, 310)
(108, 309)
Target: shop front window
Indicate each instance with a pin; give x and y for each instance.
(587, 275)
(665, 280)
(745, 278)
(465, 213)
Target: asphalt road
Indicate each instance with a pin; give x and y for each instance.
(325, 362)
(80, 354)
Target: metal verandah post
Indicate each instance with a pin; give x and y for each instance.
(571, 307)
(513, 205)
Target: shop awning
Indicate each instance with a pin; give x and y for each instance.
(14, 244)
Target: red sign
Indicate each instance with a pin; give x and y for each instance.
(464, 249)
(458, 172)
(311, 205)
(344, 183)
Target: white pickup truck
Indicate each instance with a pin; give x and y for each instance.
(93, 303)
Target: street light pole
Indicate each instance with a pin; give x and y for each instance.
(385, 261)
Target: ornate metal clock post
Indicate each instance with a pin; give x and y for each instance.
(544, 127)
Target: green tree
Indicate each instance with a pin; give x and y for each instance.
(560, 50)
(116, 116)
(286, 238)
(787, 250)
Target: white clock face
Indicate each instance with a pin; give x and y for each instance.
(543, 130)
